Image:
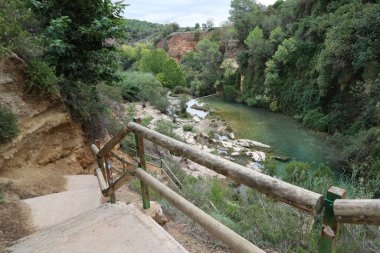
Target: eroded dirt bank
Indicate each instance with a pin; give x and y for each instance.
(48, 146)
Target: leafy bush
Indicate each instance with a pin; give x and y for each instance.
(112, 92)
(8, 125)
(183, 104)
(181, 90)
(167, 128)
(315, 119)
(229, 92)
(41, 79)
(145, 87)
(187, 128)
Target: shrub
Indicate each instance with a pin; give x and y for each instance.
(8, 125)
(229, 92)
(183, 103)
(145, 87)
(315, 119)
(167, 128)
(112, 92)
(181, 90)
(41, 79)
(187, 128)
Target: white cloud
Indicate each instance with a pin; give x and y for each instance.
(184, 12)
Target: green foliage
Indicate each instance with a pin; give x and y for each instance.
(187, 128)
(112, 92)
(271, 224)
(167, 128)
(166, 69)
(41, 79)
(166, 30)
(183, 103)
(8, 125)
(16, 21)
(358, 154)
(138, 29)
(79, 37)
(203, 67)
(245, 15)
(145, 87)
(276, 36)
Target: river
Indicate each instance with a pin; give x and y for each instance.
(284, 134)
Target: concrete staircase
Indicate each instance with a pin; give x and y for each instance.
(77, 221)
(82, 194)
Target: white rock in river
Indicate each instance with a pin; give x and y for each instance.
(258, 156)
(235, 153)
(232, 136)
(249, 143)
(196, 119)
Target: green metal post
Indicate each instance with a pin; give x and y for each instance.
(330, 226)
(140, 153)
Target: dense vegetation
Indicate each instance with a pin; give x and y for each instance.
(316, 61)
(140, 30)
(8, 125)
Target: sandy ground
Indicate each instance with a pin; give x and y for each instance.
(181, 232)
(14, 223)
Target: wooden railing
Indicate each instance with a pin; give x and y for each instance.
(336, 209)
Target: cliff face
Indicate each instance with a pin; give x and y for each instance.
(178, 44)
(48, 146)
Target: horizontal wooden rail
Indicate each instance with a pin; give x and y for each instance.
(102, 182)
(357, 211)
(220, 231)
(113, 142)
(298, 197)
(107, 190)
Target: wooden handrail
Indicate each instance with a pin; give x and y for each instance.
(357, 211)
(113, 142)
(298, 197)
(220, 231)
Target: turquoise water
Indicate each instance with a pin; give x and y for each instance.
(284, 134)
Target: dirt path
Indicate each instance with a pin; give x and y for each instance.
(14, 223)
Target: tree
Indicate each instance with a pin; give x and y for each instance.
(197, 26)
(16, 23)
(166, 69)
(80, 37)
(245, 15)
(203, 66)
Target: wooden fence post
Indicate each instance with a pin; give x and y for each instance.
(330, 227)
(140, 153)
(110, 179)
(100, 160)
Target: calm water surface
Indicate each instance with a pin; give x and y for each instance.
(284, 134)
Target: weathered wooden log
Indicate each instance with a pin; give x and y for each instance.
(101, 180)
(117, 184)
(357, 211)
(221, 232)
(113, 142)
(94, 149)
(298, 197)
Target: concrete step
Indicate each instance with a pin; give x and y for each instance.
(108, 228)
(82, 195)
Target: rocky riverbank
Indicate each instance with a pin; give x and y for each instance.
(201, 129)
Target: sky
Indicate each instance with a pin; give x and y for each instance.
(183, 12)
